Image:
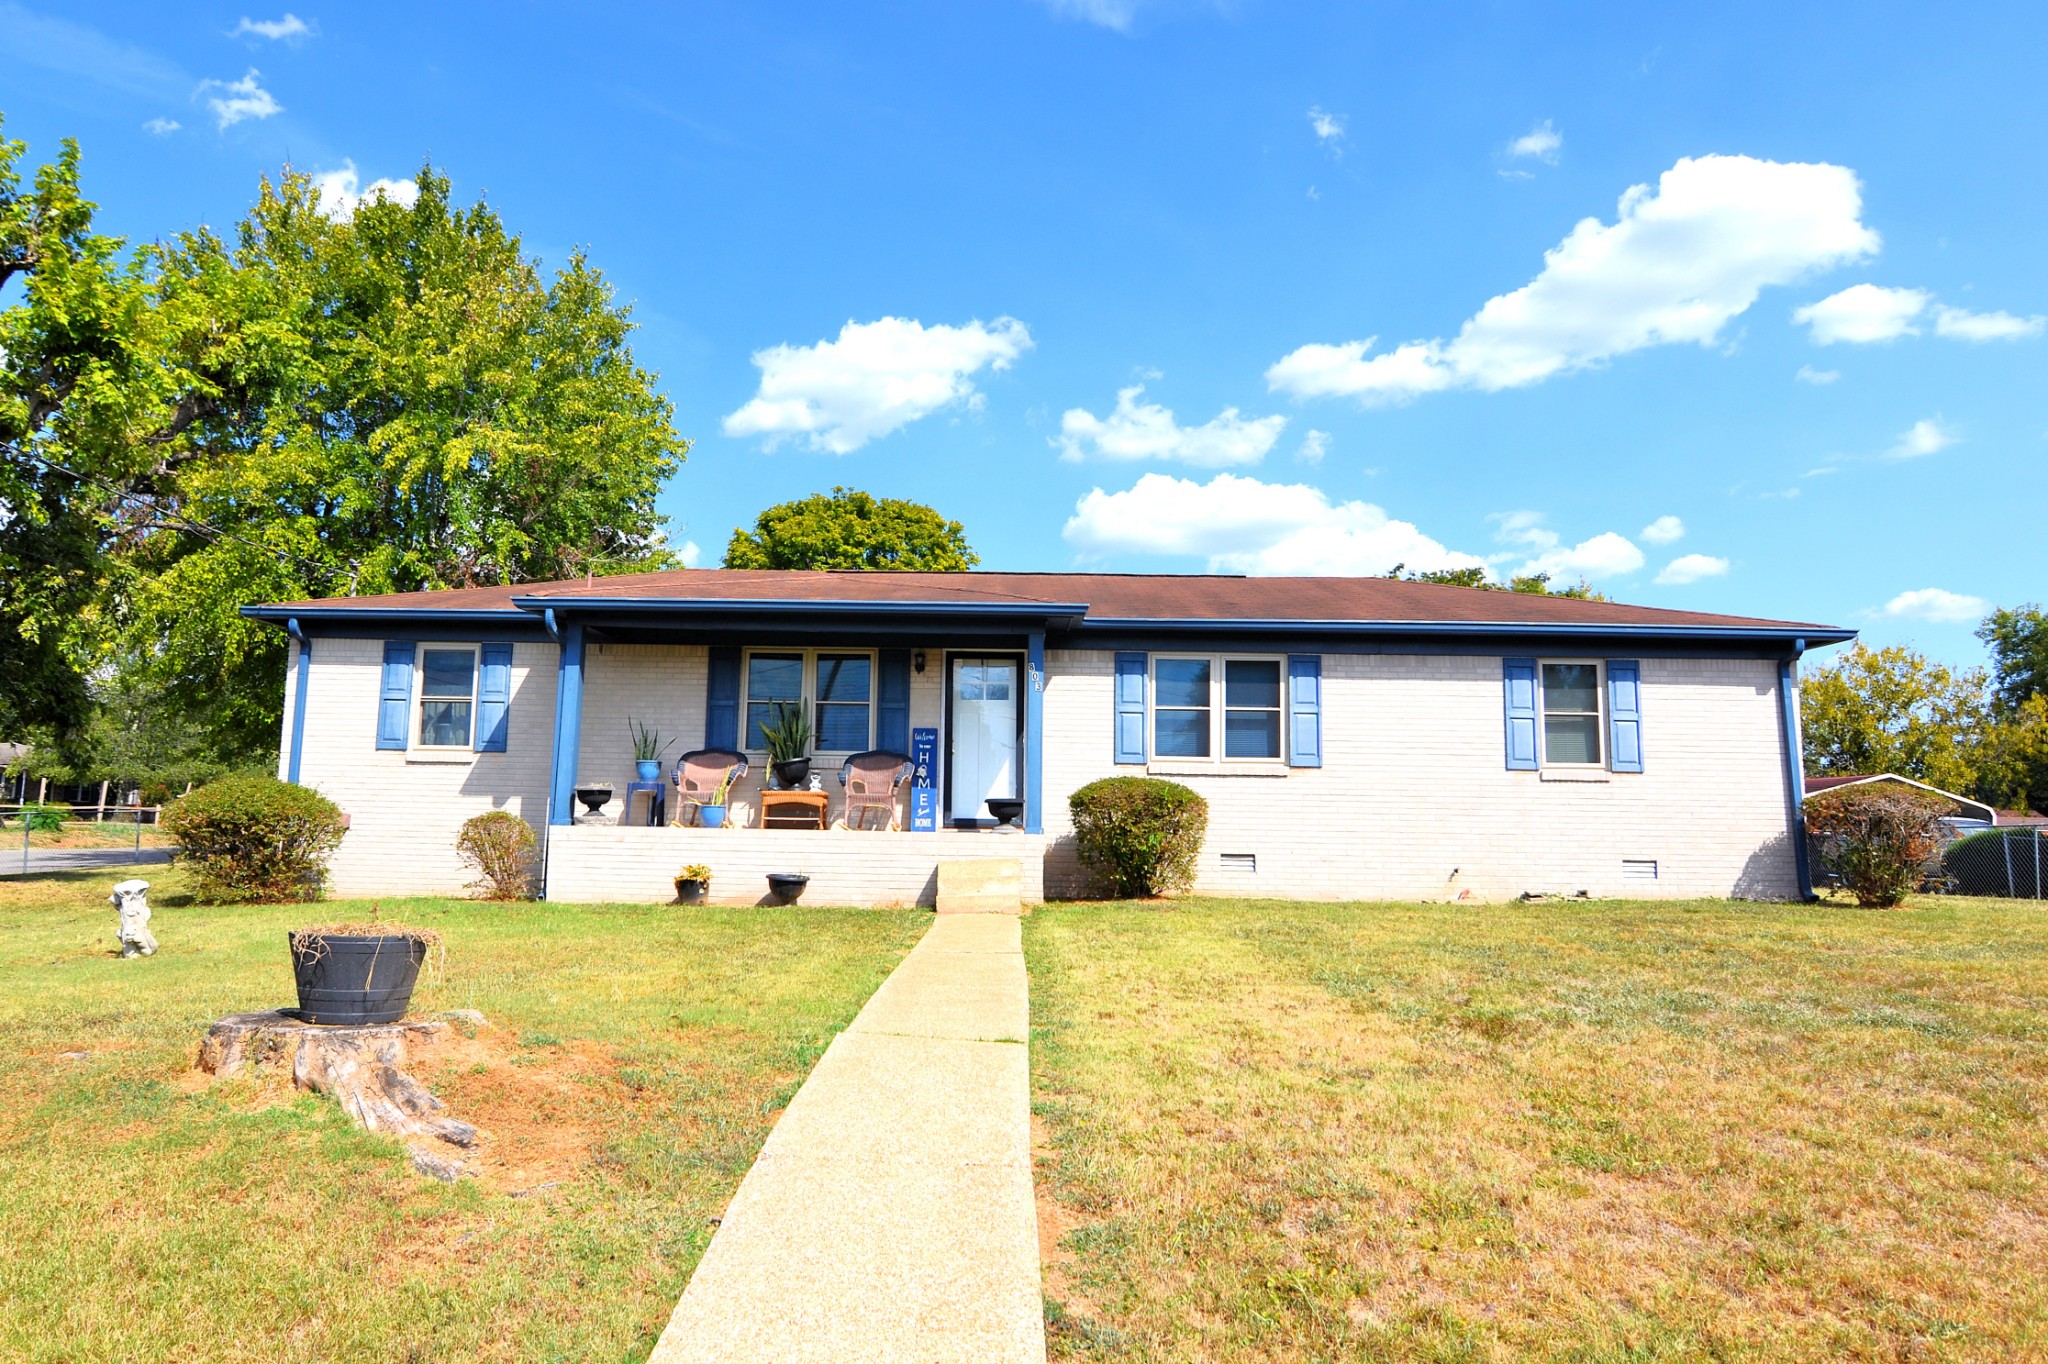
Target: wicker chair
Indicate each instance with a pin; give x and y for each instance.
(699, 774)
(871, 780)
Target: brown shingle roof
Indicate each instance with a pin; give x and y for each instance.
(1108, 596)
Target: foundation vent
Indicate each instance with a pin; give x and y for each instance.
(1638, 868)
(1247, 863)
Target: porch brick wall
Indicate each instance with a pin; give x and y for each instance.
(404, 813)
(1414, 799)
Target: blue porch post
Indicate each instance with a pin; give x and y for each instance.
(291, 627)
(568, 725)
(1034, 736)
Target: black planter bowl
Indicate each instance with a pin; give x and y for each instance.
(786, 886)
(1006, 811)
(690, 890)
(355, 980)
(793, 774)
(594, 798)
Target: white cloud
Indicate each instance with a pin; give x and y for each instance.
(162, 127)
(1329, 128)
(1242, 525)
(1542, 142)
(340, 198)
(1606, 555)
(1964, 325)
(290, 29)
(1807, 374)
(1924, 437)
(1863, 313)
(1114, 14)
(689, 554)
(1936, 604)
(240, 99)
(1675, 266)
(1314, 445)
(1138, 430)
(878, 376)
(1690, 568)
(1665, 530)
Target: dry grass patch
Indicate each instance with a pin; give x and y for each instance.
(1619, 1131)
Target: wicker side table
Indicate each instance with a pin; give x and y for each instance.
(795, 809)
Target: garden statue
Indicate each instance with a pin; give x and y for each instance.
(132, 899)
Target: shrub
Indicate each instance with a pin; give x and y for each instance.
(2001, 862)
(250, 837)
(44, 819)
(1878, 838)
(501, 847)
(1139, 835)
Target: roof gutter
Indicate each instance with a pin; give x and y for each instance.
(1796, 636)
(741, 606)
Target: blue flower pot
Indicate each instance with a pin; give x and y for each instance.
(650, 770)
(712, 816)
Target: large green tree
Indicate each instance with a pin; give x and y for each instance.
(1894, 710)
(2017, 639)
(316, 404)
(850, 529)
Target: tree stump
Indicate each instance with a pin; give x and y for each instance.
(361, 1068)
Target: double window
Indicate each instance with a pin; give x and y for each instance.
(1570, 701)
(447, 705)
(837, 689)
(1204, 706)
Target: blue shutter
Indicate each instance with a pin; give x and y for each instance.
(892, 701)
(722, 698)
(1625, 714)
(493, 696)
(1304, 710)
(394, 708)
(1518, 688)
(1130, 708)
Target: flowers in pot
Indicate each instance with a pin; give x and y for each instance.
(360, 973)
(648, 746)
(693, 883)
(788, 739)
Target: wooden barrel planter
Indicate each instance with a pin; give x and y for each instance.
(354, 979)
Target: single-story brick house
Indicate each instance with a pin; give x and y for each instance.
(1355, 737)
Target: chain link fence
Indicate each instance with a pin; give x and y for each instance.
(2011, 863)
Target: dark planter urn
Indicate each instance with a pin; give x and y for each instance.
(355, 980)
(786, 887)
(1006, 810)
(594, 798)
(793, 774)
(690, 890)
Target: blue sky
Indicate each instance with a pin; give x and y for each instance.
(1734, 311)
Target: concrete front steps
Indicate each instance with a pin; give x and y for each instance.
(981, 885)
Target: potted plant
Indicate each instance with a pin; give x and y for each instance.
(788, 737)
(648, 746)
(711, 814)
(693, 883)
(357, 973)
(784, 887)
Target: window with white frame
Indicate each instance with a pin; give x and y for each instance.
(1571, 705)
(1205, 706)
(447, 705)
(836, 688)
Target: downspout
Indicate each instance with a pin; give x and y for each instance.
(1795, 765)
(291, 627)
(1034, 735)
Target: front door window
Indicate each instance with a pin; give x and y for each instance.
(984, 734)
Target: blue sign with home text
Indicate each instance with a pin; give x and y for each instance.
(924, 780)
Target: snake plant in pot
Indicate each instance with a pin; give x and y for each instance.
(788, 738)
(648, 746)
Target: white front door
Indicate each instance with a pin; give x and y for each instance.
(984, 734)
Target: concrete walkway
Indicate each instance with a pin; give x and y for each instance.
(889, 1215)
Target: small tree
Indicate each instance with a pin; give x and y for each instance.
(250, 837)
(852, 529)
(1876, 837)
(1140, 835)
(500, 845)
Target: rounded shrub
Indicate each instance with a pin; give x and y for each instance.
(1879, 838)
(2000, 862)
(251, 837)
(1139, 835)
(500, 845)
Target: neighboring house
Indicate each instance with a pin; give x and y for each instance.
(1354, 737)
(1969, 814)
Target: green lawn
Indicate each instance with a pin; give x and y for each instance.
(640, 1057)
(1576, 1131)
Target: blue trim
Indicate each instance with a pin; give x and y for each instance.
(1033, 610)
(1588, 629)
(493, 697)
(1795, 766)
(1305, 710)
(568, 728)
(371, 615)
(1034, 734)
(892, 700)
(722, 698)
(1624, 715)
(1128, 735)
(394, 702)
(291, 627)
(1518, 701)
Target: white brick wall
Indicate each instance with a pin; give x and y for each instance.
(1414, 800)
(404, 813)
